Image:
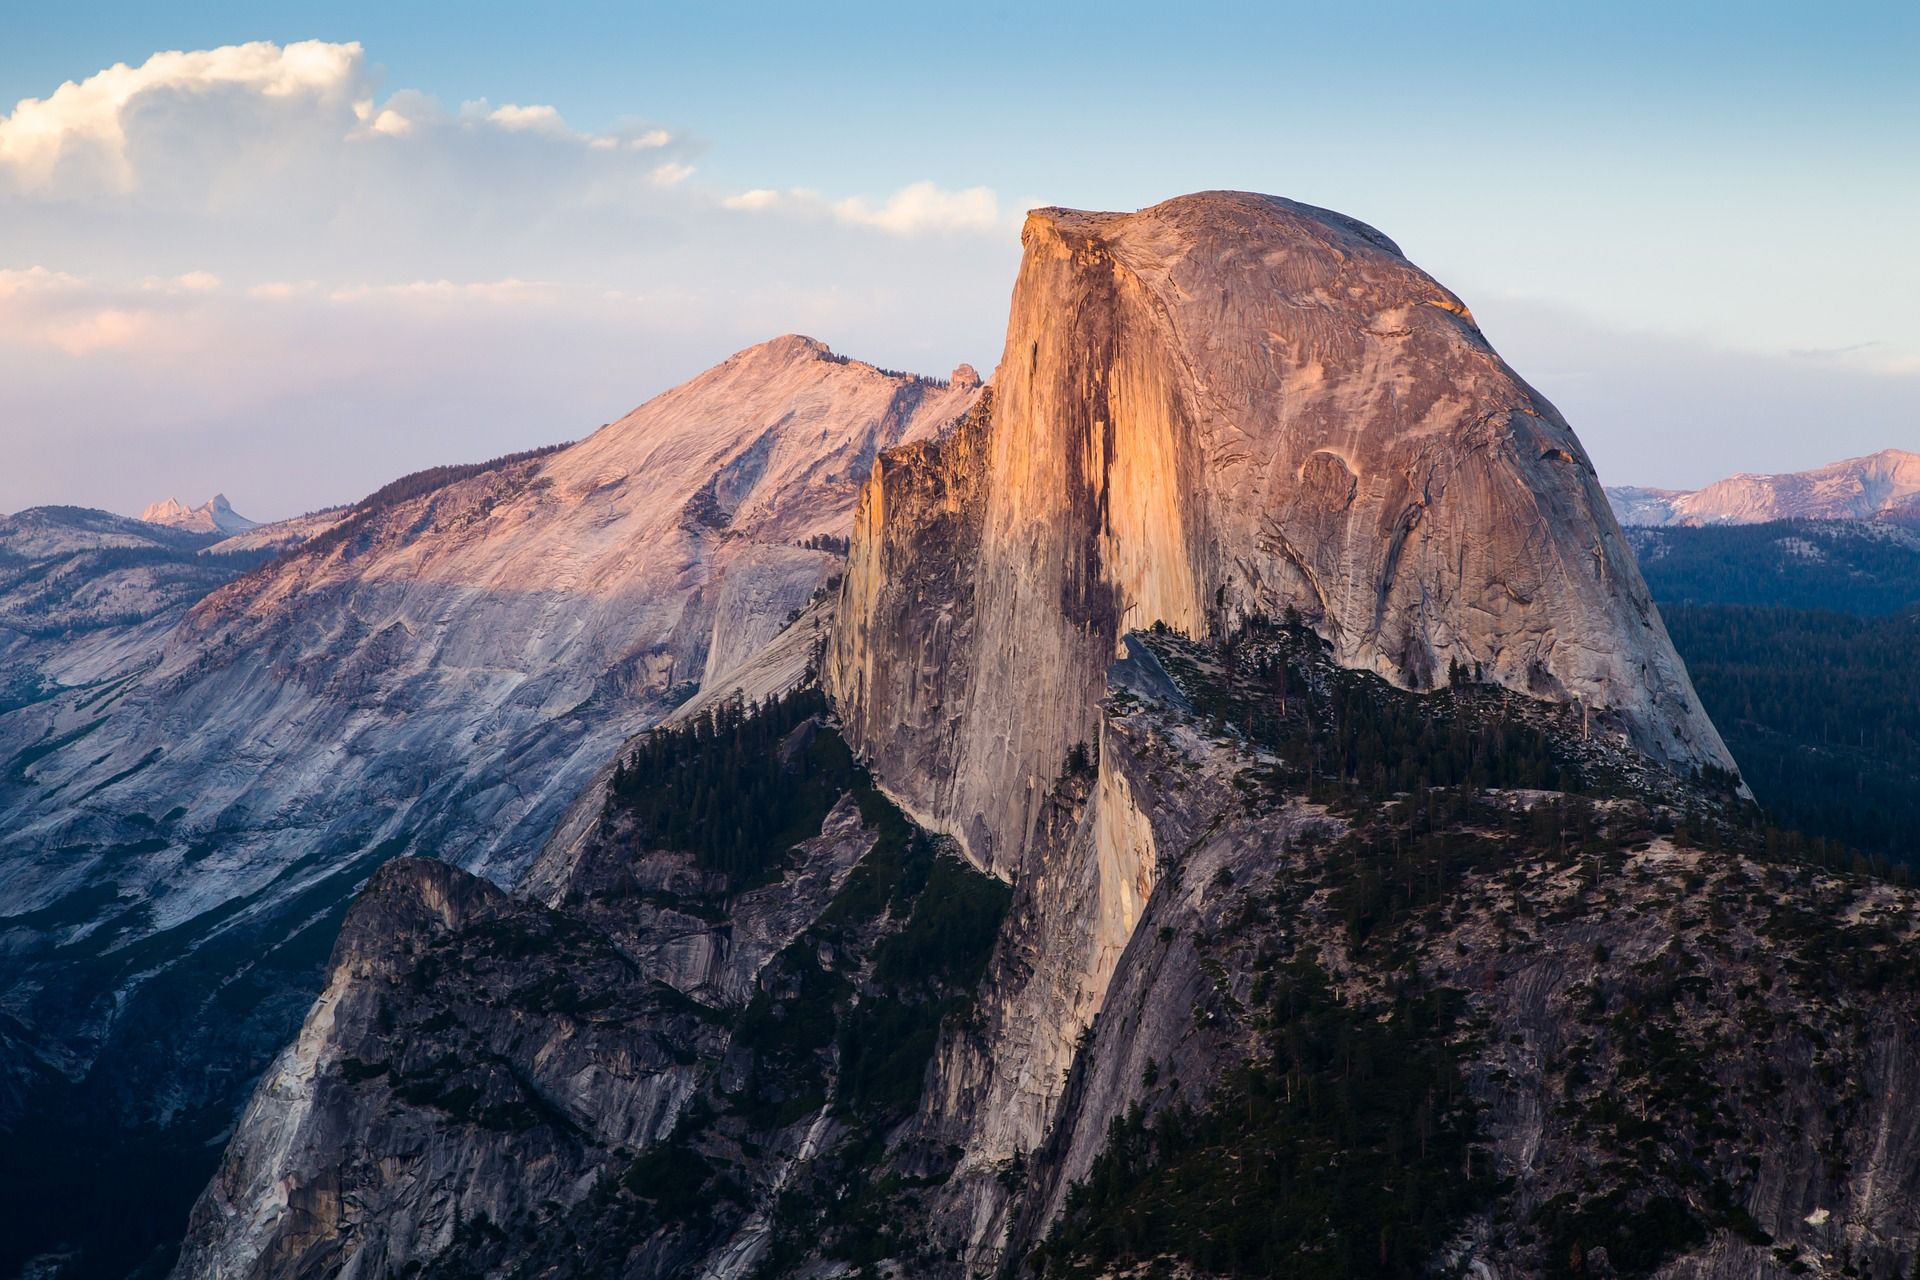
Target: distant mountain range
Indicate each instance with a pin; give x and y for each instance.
(213, 516)
(1881, 486)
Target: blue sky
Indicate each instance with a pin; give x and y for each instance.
(1693, 227)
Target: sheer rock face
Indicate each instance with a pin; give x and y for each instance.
(1224, 404)
(480, 1056)
(349, 1163)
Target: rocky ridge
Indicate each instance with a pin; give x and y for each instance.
(1880, 486)
(1360, 1017)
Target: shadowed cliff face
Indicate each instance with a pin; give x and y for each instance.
(1222, 405)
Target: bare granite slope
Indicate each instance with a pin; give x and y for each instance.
(441, 671)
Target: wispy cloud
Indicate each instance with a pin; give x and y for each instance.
(925, 207)
(921, 208)
(118, 127)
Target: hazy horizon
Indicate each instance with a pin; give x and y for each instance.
(325, 247)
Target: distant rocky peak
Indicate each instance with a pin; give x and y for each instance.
(216, 515)
(1879, 486)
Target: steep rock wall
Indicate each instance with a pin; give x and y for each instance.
(1227, 404)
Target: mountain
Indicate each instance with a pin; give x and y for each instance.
(1884, 484)
(85, 594)
(1210, 440)
(66, 570)
(1213, 438)
(441, 671)
(280, 535)
(1250, 820)
(214, 516)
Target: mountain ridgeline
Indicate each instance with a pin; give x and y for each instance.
(1883, 487)
(189, 798)
(1237, 811)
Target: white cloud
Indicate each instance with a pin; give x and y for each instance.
(537, 118)
(216, 121)
(79, 317)
(758, 198)
(84, 123)
(670, 174)
(925, 207)
(918, 209)
(198, 281)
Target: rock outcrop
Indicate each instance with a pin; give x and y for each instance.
(1224, 405)
(623, 1068)
(1686, 1059)
(1883, 485)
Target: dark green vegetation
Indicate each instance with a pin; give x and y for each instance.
(1822, 710)
(842, 1023)
(1348, 734)
(1838, 565)
(847, 1019)
(1345, 1141)
(931, 921)
(1342, 1149)
(1803, 640)
(737, 786)
(1349, 1135)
